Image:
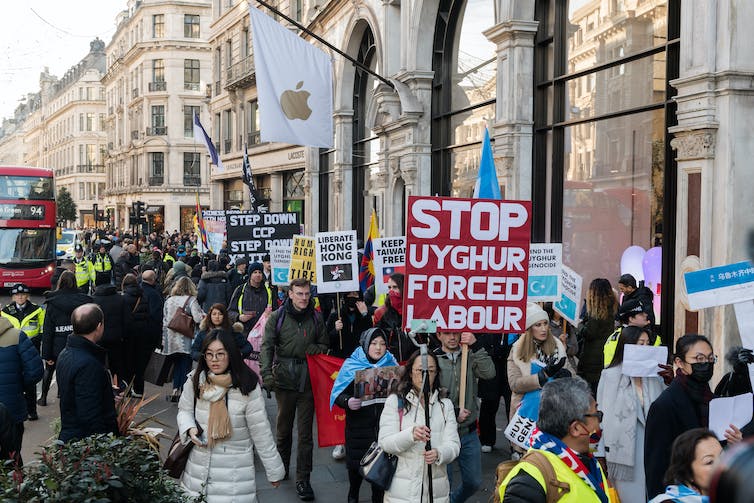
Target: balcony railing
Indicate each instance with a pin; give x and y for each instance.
(157, 86)
(240, 74)
(135, 92)
(191, 86)
(157, 131)
(226, 146)
(156, 180)
(90, 168)
(253, 138)
(192, 181)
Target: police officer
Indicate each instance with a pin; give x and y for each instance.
(29, 318)
(103, 265)
(84, 270)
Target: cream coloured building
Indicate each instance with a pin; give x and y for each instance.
(158, 70)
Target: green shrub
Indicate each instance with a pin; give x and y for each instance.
(97, 469)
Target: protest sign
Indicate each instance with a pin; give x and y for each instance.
(568, 305)
(251, 235)
(466, 263)
(303, 259)
(373, 385)
(718, 286)
(337, 262)
(214, 225)
(280, 262)
(545, 265)
(643, 361)
(389, 253)
(735, 410)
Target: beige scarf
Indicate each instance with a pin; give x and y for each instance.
(214, 390)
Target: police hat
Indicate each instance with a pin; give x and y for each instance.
(19, 288)
(629, 308)
(79, 248)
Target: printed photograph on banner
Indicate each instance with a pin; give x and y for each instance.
(303, 259)
(375, 384)
(467, 262)
(545, 263)
(337, 262)
(389, 254)
(251, 235)
(280, 262)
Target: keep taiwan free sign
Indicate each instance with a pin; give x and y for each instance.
(337, 262)
(389, 254)
(251, 235)
(467, 262)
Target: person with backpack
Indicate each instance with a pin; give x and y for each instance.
(292, 332)
(250, 300)
(559, 466)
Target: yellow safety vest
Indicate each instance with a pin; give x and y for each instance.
(168, 258)
(102, 263)
(243, 291)
(84, 272)
(31, 324)
(612, 344)
(579, 491)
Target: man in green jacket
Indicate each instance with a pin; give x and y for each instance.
(479, 366)
(292, 332)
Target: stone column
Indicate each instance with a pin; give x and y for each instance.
(342, 180)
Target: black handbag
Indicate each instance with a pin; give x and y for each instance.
(159, 369)
(378, 467)
(178, 453)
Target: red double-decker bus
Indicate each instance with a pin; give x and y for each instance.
(27, 226)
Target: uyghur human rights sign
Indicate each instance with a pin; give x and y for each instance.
(466, 263)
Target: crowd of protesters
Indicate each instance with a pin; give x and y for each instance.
(600, 435)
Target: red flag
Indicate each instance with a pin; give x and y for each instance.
(331, 424)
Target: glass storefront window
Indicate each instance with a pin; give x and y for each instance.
(474, 56)
(613, 192)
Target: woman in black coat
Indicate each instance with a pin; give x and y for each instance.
(346, 325)
(595, 328)
(59, 305)
(140, 348)
(362, 422)
(214, 287)
(113, 306)
(683, 406)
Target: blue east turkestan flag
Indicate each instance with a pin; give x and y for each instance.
(200, 135)
(486, 183)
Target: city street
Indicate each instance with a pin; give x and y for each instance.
(329, 478)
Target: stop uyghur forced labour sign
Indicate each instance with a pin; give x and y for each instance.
(467, 262)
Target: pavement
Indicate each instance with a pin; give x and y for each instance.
(329, 477)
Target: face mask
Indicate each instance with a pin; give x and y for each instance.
(396, 300)
(702, 372)
(595, 437)
(351, 302)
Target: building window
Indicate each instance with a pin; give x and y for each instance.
(228, 53)
(158, 75)
(188, 120)
(326, 159)
(252, 123)
(156, 168)
(158, 25)
(601, 164)
(298, 9)
(191, 26)
(293, 196)
(192, 169)
(227, 131)
(89, 122)
(245, 48)
(191, 74)
(365, 143)
(463, 97)
(158, 120)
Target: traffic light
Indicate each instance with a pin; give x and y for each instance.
(95, 212)
(141, 213)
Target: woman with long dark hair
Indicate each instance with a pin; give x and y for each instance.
(217, 319)
(403, 432)
(595, 328)
(225, 400)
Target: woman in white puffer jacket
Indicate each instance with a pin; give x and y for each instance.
(230, 411)
(403, 432)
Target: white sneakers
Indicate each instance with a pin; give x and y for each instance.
(486, 448)
(339, 452)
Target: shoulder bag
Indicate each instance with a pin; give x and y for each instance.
(182, 321)
(178, 454)
(378, 467)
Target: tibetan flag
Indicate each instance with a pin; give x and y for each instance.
(366, 271)
(331, 424)
(486, 183)
(201, 136)
(200, 225)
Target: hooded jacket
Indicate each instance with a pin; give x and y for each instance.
(214, 288)
(20, 365)
(59, 306)
(114, 308)
(137, 313)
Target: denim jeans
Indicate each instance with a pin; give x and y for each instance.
(181, 367)
(469, 460)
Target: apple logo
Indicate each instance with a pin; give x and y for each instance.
(294, 103)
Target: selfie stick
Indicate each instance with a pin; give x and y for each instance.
(425, 391)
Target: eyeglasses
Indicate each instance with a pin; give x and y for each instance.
(700, 358)
(599, 415)
(215, 356)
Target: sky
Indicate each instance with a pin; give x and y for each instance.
(52, 33)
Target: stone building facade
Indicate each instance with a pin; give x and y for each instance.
(158, 70)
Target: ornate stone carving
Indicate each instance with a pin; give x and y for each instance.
(694, 145)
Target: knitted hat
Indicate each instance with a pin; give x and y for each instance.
(255, 266)
(534, 314)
